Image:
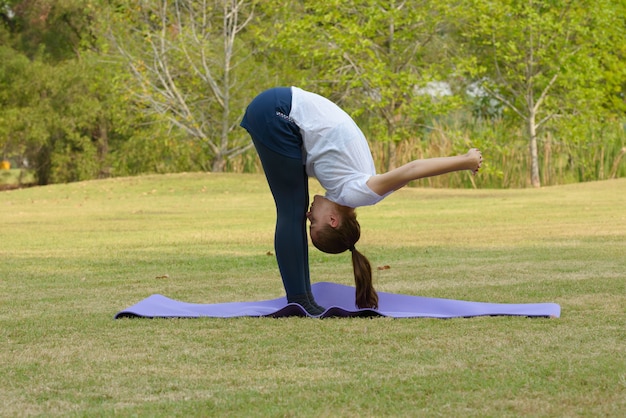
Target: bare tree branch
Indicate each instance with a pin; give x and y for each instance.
(544, 93)
(191, 43)
(506, 101)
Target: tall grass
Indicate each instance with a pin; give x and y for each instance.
(593, 155)
(565, 155)
(569, 154)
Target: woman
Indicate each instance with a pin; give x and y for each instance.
(298, 134)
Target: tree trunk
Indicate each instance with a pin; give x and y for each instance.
(43, 164)
(103, 150)
(534, 155)
(392, 159)
(219, 164)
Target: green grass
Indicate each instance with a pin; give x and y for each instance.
(73, 255)
(14, 178)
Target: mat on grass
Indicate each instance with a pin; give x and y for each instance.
(339, 302)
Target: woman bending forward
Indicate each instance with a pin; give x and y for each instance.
(298, 134)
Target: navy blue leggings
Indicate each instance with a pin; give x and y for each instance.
(278, 142)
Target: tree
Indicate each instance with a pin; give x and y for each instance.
(22, 129)
(374, 57)
(59, 105)
(188, 65)
(536, 57)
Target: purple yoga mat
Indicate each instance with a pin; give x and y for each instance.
(339, 301)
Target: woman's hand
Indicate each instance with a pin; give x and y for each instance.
(476, 159)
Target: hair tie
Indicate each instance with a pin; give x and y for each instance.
(351, 248)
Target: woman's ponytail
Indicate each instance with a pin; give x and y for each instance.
(366, 296)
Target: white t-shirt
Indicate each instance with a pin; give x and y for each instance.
(335, 149)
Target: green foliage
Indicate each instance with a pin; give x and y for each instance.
(24, 128)
(157, 150)
(376, 58)
(546, 66)
(70, 106)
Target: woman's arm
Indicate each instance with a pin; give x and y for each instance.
(395, 179)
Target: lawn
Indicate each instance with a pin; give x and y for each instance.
(14, 178)
(74, 255)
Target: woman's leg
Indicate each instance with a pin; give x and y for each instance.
(279, 144)
(288, 183)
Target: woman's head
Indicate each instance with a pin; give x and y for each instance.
(334, 229)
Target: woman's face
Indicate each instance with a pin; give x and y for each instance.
(322, 212)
